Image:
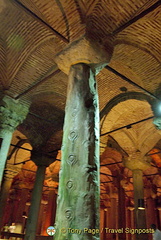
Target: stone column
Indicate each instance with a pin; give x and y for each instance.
(140, 216)
(78, 200)
(151, 212)
(42, 162)
(121, 210)
(137, 163)
(102, 223)
(130, 221)
(9, 174)
(49, 219)
(78, 196)
(11, 115)
(21, 208)
(40, 217)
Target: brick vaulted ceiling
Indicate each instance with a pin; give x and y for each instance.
(32, 32)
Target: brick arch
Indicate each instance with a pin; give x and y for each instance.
(139, 46)
(123, 97)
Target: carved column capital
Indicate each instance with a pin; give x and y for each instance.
(12, 113)
(136, 161)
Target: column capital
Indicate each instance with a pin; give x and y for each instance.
(137, 161)
(83, 50)
(12, 113)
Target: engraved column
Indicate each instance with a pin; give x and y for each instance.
(78, 200)
(78, 196)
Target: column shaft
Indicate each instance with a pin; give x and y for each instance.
(3, 198)
(102, 223)
(22, 204)
(140, 216)
(6, 137)
(78, 198)
(49, 219)
(11, 115)
(35, 204)
(121, 210)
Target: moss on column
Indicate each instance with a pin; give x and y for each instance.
(78, 198)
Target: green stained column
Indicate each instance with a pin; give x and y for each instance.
(78, 196)
(12, 113)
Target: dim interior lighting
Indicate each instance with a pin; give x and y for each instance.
(141, 204)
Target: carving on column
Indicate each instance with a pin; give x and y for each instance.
(79, 203)
(72, 159)
(12, 113)
(70, 185)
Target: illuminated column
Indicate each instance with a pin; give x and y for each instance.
(137, 163)
(21, 208)
(121, 210)
(139, 194)
(78, 196)
(40, 217)
(42, 162)
(114, 213)
(49, 219)
(9, 174)
(151, 212)
(11, 115)
(108, 215)
(131, 222)
(102, 223)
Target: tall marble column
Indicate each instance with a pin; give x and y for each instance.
(137, 163)
(42, 162)
(78, 200)
(121, 210)
(102, 223)
(139, 194)
(19, 219)
(78, 196)
(11, 115)
(49, 218)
